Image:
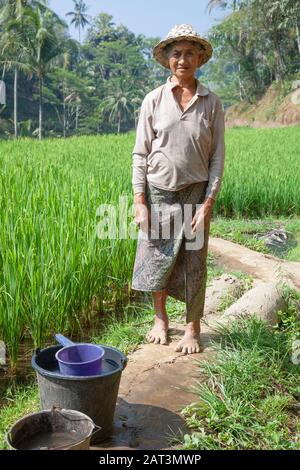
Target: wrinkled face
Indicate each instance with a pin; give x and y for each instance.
(184, 58)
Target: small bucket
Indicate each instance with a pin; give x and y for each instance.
(56, 429)
(81, 359)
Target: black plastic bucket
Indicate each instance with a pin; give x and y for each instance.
(95, 396)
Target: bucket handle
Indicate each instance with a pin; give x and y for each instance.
(63, 340)
(124, 361)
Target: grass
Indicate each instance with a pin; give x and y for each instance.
(125, 332)
(244, 371)
(242, 231)
(260, 177)
(128, 332)
(52, 262)
(20, 401)
(229, 298)
(251, 396)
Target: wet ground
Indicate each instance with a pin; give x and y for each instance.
(153, 390)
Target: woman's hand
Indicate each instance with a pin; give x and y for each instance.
(141, 212)
(205, 211)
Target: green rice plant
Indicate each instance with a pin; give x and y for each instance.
(52, 263)
(261, 174)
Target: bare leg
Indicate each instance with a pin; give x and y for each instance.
(159, 332)
(190, 343)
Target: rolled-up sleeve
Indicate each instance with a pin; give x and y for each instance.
(217, 157)
(144, 136)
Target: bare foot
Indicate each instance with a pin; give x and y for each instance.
(190, 343)
(159, 332)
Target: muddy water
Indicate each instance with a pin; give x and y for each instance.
(48, 440)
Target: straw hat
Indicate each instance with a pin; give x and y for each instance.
(178, 33)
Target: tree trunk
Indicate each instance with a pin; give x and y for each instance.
(76, 117)
(40, 106)
(16, 103)
(279, 64)
(297, 37)
(64, 120)
(240, 83)
(64, 111)
(3, 72)
(119, 124)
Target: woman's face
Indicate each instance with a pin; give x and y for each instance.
(184, 59)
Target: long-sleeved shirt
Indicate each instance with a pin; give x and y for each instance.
(175, 148)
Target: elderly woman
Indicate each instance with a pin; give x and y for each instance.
(178, 161)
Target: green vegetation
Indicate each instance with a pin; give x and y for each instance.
(128, 331)
(54, 267)
(250, 399)
(60, 87)
(229, 298)
(53, 264)
(244, 231)
(19, 402)
(255, 45)
(125, 332)
(260, 177)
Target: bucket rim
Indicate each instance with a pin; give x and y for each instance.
(57, 375)
(64, 348)
(85, 417)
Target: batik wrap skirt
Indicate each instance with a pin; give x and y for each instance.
(167, 261)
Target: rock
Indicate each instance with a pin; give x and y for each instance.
(220, 286)
(264, 300)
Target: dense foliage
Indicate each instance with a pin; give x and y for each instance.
(61, 87)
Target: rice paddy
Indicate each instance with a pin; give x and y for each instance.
(54, 266)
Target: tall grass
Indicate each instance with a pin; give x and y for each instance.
(52, 264)
(250, 398)
(261, 174)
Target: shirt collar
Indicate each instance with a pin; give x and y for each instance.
(200, 91)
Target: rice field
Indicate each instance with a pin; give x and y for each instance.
(53, 265)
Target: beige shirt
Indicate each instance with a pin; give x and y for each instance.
(175, 148)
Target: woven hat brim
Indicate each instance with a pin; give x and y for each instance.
(158, 50)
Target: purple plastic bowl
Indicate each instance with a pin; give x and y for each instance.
(80, 359)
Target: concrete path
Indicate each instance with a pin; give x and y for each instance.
(152, 392)
(260, 265)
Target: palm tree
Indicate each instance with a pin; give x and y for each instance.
(223, 4)
(16, 8)
(12, 45)
(118, 104)
(79, 17)
(16, 22)
(46, 44)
